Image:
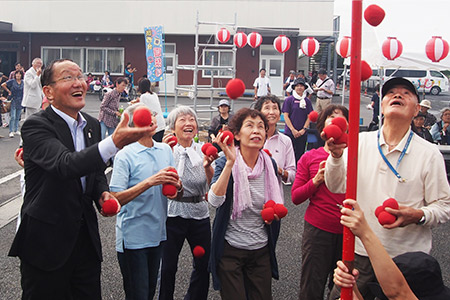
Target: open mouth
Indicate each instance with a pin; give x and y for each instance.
(256, 139)
(77, 94)
(189, 130)
(396, 102)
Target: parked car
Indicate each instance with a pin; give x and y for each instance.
(430, 81)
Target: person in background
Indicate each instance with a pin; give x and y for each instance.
(278, 144)
(262, 84)
(18, 68)
(324, 89)
(32, 88)
(375, 106)
(220, 122)
(419, 129)
(308, 89)
(188, 217)
(109, 109)
(322, 234)
(296, 109)
(430, 119)
(288, 81)
(440, 131)
(90, 81)
(151, 100)
(140, 170)
(14, 87)
(129, 73)
(243, 259)
(412, 275)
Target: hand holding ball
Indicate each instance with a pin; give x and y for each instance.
(169, 190)
(385, 218)
(110, 207)
(142, 117)
(172, 141)
(341, 123)
(268, 214)
(332, 131)
(209, 150)
(280, 210)
(228, 134)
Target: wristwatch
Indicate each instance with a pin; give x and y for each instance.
(422, 220)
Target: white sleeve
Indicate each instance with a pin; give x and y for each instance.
(336, 173)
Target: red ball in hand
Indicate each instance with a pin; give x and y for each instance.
(174, 141)
(169, 190)
(385, 218)
(228, 134)
(391, 202)
(110, 207)
(198, 251)
(269, 203)
(280, 210)
(313, 116)
(374, 15)
(378, 210)
(206, 146)
(341, 122)
(142, 117)
(343, 139)
(235, 88)
(267, 151)
(211, 151)
(268, 214)
(366, 71)
(332, 131)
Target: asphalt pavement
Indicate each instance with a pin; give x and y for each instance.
(288, 248)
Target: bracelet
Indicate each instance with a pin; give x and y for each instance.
(180, 189)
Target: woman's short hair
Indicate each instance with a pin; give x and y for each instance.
(145, 86)
(121, 79)
(19, 72)
(236, 122)
(272, 98)
(444, 110)
(130, 110)
(180, 110)
(328, 111)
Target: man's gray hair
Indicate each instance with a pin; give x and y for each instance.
(36, 60)
(180, 110)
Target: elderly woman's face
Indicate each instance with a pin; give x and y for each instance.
(185, 127)
(271, 111)
(336, 113)
(446, 116)
(252, 133)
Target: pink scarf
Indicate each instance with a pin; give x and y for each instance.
(242, 173)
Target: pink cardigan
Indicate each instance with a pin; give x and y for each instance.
(322, 211)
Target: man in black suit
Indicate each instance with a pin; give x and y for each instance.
(58, 242)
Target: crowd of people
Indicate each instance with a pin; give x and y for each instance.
(65, 153)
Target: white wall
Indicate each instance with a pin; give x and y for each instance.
(313, 17)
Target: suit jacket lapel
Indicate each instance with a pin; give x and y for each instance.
(61, 129)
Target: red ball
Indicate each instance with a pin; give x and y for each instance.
(110, 207)
(235, 88)
(269, 203)
(343, 139)
(366, 71)
(169, 190)
(313, 116)
(142, 117)
(332, 131)
(20, 153)
(198, 251)
(211, 151)
(391, 202)
(341, 122)
(173, 170)
(267, 151)
(172, 139)
(378, 210)
(268, 214)
(374, 15)
(228, 134)
(280, 210)
(385, 218)
(206, 146)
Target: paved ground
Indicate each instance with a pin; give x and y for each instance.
(288, 249)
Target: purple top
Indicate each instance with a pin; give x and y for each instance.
(297, 115)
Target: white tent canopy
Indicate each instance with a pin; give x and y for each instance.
(412, 22)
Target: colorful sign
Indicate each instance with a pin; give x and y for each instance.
(154, 49)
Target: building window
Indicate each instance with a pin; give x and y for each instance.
(222, 58)
(90, 60)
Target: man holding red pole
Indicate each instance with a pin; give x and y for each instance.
(394, 163)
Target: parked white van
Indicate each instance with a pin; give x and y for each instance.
(432, 82)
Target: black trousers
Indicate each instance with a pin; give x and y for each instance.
(78, 278)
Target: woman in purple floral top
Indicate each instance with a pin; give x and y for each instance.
(109, 109)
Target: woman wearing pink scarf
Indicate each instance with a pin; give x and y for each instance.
(242, 260)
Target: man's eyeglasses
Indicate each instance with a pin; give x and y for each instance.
(70, 78)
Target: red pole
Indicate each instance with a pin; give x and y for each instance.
(348, 246)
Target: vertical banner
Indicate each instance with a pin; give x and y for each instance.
(154, 51)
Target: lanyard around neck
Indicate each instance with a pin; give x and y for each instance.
(400, 157)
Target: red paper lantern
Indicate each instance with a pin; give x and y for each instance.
(374, 15)
(343, 47)
(223, 35)
(310, 46)
(436, 49)
(254, 39)
(366, 70)
(392, 48)
(282, 43)
(240, 39)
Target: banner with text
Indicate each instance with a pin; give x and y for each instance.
(154, 49)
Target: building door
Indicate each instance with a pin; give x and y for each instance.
(7, 61)
(168, 85)
(273, 62)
